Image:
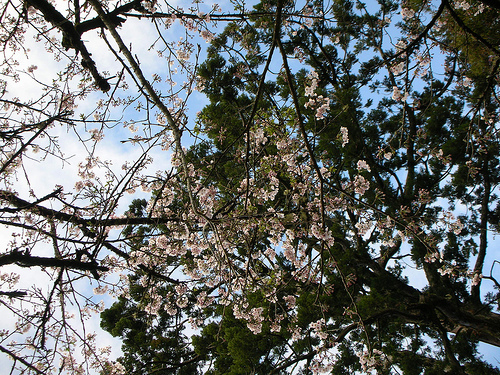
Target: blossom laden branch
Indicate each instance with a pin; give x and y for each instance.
(22, 360)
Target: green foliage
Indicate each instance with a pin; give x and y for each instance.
(350, 293)
(149, 343)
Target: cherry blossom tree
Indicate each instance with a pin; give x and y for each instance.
(329, 210)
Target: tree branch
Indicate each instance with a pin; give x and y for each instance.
(27, 260)
(20, 359)
(71, 38)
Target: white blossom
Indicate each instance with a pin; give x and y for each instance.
(363, 165)
(361, 185)
(407, 13)
(345, 136)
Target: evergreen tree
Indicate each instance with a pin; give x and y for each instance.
(323, 179)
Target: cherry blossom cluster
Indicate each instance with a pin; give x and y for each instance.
(370, 361)
(320, 103)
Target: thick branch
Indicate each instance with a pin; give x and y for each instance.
(483, 235)
(27, 260)
(20, 204)
(454, 317)
(114, 16)
(483, 327)
(71, 38)
(13, 293)
(468, 30)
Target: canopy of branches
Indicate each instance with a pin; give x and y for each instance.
(274, 187)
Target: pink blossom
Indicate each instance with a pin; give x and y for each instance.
(363, 165)
(345, 135)
(397, 96)
(361, 185)
(407, 13)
